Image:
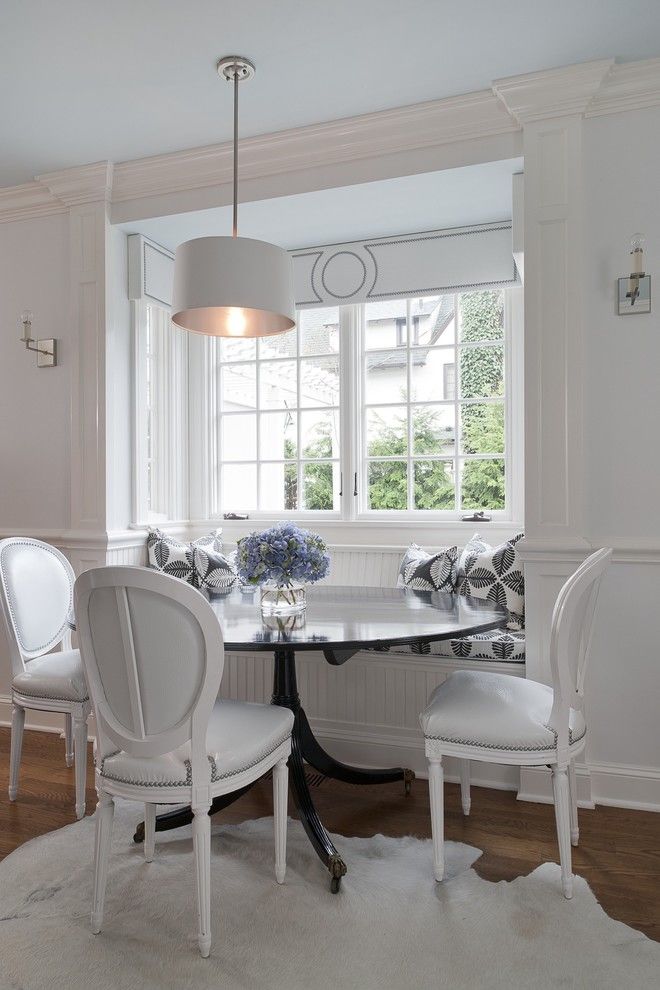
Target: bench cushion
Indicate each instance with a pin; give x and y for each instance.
(503, 645)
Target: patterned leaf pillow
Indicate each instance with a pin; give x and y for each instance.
(213, 571)
(428, 572)
(166, 553)
(494, 574)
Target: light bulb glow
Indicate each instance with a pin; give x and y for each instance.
(236, 321)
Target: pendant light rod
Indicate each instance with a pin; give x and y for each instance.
(234, 229)
(234, 68)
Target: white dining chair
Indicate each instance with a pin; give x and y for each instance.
(36, 590)
(153, 654)
(498, 718)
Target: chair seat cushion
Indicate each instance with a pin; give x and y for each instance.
(58, 676)
(499, 644)
(494, 711)
(239, 736)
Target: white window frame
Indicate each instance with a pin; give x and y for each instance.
(192, 475)
(170, 453)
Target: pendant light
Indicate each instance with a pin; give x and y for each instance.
(233, 286)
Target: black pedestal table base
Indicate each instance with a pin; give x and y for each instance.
(304, 749)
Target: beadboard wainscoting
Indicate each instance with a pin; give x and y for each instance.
(366, 711)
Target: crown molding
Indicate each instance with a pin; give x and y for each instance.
(410, 128)
(553, 92)
(57, 192)
(631, 86)
(590, 89)
(83, 184)
(28, 200)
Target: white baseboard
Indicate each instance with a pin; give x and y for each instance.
(618, 785)
(536, 785)
(614, 784)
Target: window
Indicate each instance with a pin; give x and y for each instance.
(393, 408)
(425, 447)
(278, 419)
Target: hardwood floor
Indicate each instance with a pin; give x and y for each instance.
(619, 852)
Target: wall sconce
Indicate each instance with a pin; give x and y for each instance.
(46, 350)
(634, 292)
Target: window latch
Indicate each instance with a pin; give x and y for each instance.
(476, 517)
(355, 484)
(235, 515)
(341, 483)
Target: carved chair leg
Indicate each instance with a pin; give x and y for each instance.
(280, 794)
(105, 811)
(68, 739)
(561, 793)
(572, 784)
(436, 794)
(464, 770)
(201, 829)
(17, 725)
(80, 747)
(149, 831)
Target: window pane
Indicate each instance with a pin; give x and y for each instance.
(320, 486)
(239, 438)
(387, 431)
(482, 372)
(385, 324)
(319, 329)
(432, 320)
(278, 436)
(279, 486)
(319, 434)
(386, 376)
(319, 381)
(243, 349)
(238, 387)
(388, 484)
(279, 345)
(433, 485)
(433, 375)
(433, 429)
(481, 316)
(483, 484)
(278, 385)
(482, 428)
(239, 487)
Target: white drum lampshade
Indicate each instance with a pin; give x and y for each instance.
(233, 287)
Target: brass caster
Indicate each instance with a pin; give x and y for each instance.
(139, 833)
(408, 777)
(337, 868)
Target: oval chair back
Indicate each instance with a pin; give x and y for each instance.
(36, 585)
(570, 641)
(153, 655)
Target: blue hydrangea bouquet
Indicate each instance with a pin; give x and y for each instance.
(282, 560)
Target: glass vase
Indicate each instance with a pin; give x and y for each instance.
(287, 599)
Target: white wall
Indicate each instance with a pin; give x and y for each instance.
(34, 402)
(622, 418)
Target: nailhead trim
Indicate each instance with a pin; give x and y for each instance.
(28, 543)
(510, 749)
(215, 776)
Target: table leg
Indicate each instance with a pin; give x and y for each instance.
(314, 754)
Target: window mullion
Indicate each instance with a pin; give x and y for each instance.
(458, 480)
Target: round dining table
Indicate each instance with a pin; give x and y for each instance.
(338, 622)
